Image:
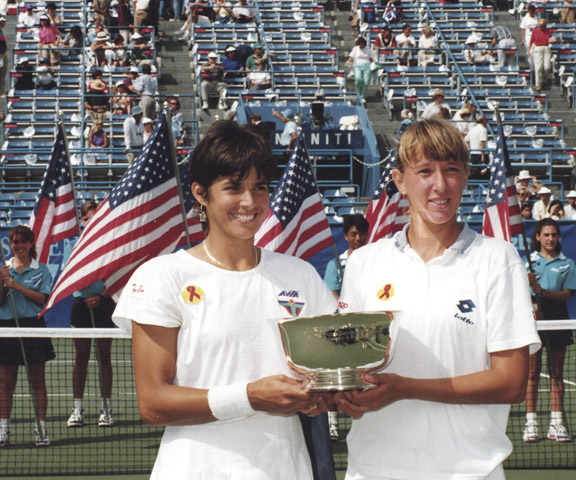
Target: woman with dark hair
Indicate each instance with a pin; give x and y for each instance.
(556, 210)
(360, 57)
(208, 359)
(553, 281)
(74, 40)
(27, 283)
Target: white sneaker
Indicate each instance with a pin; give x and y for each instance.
(106, 419)
(77, 418)
(42, 439)
(222, 105)
(333, 430)
(530, 433)
(205, 106)
(4, 438)
(559, 433)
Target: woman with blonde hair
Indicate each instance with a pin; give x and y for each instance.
(426, 47)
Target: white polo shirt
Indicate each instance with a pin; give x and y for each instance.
(452, 312)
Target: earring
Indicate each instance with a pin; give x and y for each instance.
(202, 214)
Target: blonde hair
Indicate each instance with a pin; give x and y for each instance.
(434, 139)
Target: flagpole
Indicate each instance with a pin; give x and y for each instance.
(23, 351)
(177, 174)
(88, 289)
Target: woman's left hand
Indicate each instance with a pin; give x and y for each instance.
(93, 302)
(358, 402)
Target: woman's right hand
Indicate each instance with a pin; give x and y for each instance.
(283, 395)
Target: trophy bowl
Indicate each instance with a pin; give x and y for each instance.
(333, 351)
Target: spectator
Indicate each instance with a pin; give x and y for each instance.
(49, 40)
(527, 25)
(556, 210)
(129, 81)
(140, 9)
(222, 10)
(118, 52)
(96, 101)
(259, 79)
(96, 29)
(476, 56)
(133, 133)
(194, 18)
(25, 80)
(361, 56)
(100, 48)
(570, 208)
(44, 76)
(177, 121)
(125, 19)
(366, 10)
(98, 137)
(462, 119)
(74, 41)
(92, 307)
(432, 109)
(524, 179)
(243, 53)
(539, 49)
(233, 68)
(385, 42)
(426, 47)
(407, 118)
(290, 132)
(242, 13)
(477, 139)
(526, 211)
(148, 125)
(258, 54)
(406, 42)
(503, 40)
(211, 73)
(256, 120)
(28, 18)
(29, 283)
(522, 193)
(355, 229)
(3, 58)
(102, 8)
(122, 101)
(567, 13)
(552, 277)
(145, 85)
(140, 51)
(55, 18)
(541, 208)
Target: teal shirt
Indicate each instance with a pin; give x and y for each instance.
(35, 276)
(556, 274)
(96, 288)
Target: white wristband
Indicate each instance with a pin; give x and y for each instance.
(230, 401)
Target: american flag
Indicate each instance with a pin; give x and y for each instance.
(139, 219)
(54, 215)
(502, 217)
(388, 209)
(296, 223)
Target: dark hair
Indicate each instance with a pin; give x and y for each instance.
(256, 116)
(545, 222)
(555, 202)
(406, 25)
(231, 149)
(356, 220)
(76, 31)
(175, 100)
(96, 73)
(51, 6)
(26, 234)
(361, 41)
(146, 69)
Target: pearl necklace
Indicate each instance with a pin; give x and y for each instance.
(223, 265)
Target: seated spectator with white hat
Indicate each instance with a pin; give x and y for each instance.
(541, 208)
(570, 207)
(432, 109)
(476, 56)
(133, 132)
(25, 80)
(524, 179)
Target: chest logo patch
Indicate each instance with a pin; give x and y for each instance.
(192, 294)
(291, 302)
(386, 292)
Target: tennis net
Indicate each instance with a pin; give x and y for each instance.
(130, 446)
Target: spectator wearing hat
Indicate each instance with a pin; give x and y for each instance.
(541, 208)
(145, 85)
(3, 57)
(242, 13)
(28, 18)
(426, 47)
(122, 100)
(140, 51)
(290, 133)
(133, 133)
(539, 49)
(258, 54)
(211, 74)
(462, 119)
(432, 109)
(100, 48)
(130, 79)
(524, 179)
(570, 207)
(503, 40)
(233, 68)
(96, 100)
(44, 75)
(476, 56)
(25, 79)
(55, 18)
(148, 125)
(477, 139)
(49, 38)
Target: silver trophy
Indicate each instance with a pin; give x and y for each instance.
(333, 351)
